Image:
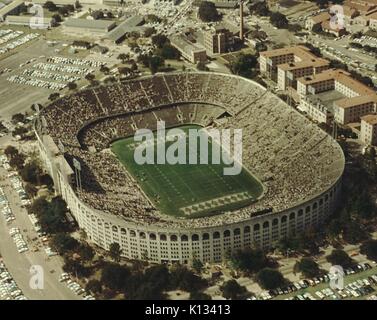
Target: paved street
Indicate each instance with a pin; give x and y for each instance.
(19, 264)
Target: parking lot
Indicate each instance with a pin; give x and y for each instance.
(8, 287)
(18, 264)
(360, 282)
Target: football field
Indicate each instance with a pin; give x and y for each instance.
(189, 190)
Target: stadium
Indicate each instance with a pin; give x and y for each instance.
(290, 179)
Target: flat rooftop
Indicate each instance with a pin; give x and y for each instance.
(327, 98)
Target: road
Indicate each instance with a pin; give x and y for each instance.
(19, 264)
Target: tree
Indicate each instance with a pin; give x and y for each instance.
(72, 85)
(317, 28)
(94, 286)
(57, 18)
(31, 190)
(53, 96)
(115, 251)
(201, 66)
(308, 267)
(233, 290)
(64, 11)
(75, 267)
(278, 20)
(369, 248)
(243, 65)
(159, 40)
(50, 6)
(197, 265)
(97, 14)
(353, 233)
(259, 8)
(249, 260)
(155, 62)
(207, 12)
(19, 131)
(197, 295)
(90, 77)
(63, 243)
(86, 252)
(18, 117)
(31, 172)
(270, 279)
(322, 3)
(339, 257)
(123, 57)
(104, 69)
(17, 161)
(10, 151)
(184, 279)
(169, 52)
(115, 276)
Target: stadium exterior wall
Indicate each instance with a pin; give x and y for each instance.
(168, 244)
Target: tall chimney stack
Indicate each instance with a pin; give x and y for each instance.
(241, 20)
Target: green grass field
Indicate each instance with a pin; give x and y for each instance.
(189, 190)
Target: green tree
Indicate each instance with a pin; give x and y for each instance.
(94, 286)
(57, 18)
(31, 190)
(270, 279)
(197, 295)
(115, 276)
(308, 267)
(197, 265)
(155, 62)
(72, 85)
(86, 252)
(31, 172)
(18, 117)
(339, 257)
(249, 260)
(207, 12)
(17, 161)
(64, 243)
(50, 6)
(243, 65)
(233, 290)
(53, 96)
(159, 40)
(369, 248)
(123, 57)
(259, 8)
(10, 151)
(115, 251)
(278, 20)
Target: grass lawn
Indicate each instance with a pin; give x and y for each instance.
(189, 190)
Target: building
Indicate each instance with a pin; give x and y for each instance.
(368, 130)
(218, 40)
(285, 65)
(40, 23)
(316, 20)
(337, 32)
(362, 6)
(79, 26)
(132, 24)
(10, 9)
(335, 91)
(373, 20)
(189, 51)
